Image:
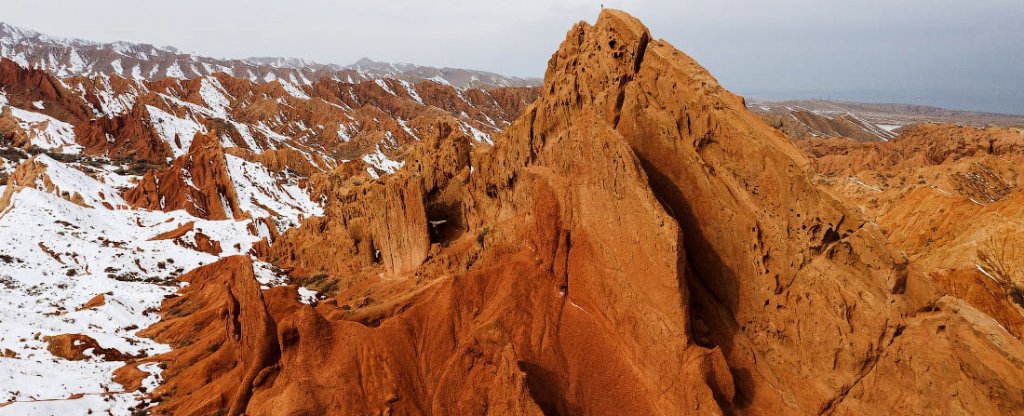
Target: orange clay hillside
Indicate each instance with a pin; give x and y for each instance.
(636, 242)
(950, 198)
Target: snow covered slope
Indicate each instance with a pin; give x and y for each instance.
(57, 256)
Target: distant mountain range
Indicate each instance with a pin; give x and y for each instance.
(141, 61)
(865, 121)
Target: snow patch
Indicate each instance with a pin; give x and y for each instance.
(177, 132)
(58, 255)
(293, 90)
(263, 195)
(44, 131)
(174, 71)
(381, 162)
(213, 95)
(384, 85)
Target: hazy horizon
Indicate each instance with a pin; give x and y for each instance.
(945, 53)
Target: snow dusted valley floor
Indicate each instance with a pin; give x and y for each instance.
(57, 256)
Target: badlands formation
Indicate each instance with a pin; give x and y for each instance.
(633, 241)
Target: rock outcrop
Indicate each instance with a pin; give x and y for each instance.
(636, 242)
(948, 196)
(77, 347)
(25, 86)
(197, 182)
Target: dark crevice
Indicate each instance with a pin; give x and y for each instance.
(619, 100)
(266, 350)
(620, 97)
(547, 390)
(641, 50)
(710, 284)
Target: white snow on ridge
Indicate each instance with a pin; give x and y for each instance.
(262, 195)
(411, 89)
(293, 90)
(476, 133)
(112, 103)
(44, 131)
(137, 72)
(177, 132)
(74, 182)
(440, 80)
(891, 128)
(384, 85)
(380, 162)
(343, 133)
(116, 65)
(77, 63)
(405, 126)
(174, 71)
(243, 130)
(6, 166)
(214, 95)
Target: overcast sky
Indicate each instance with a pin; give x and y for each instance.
(966, 54)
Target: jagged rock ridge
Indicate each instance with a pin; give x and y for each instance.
(111, 188)
(637, 242)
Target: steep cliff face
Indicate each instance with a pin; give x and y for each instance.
(24, 86)
(765, 248)
(197, 182)
(636, 242)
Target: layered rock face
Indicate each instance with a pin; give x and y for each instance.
(198, 182)
(636, 242)
(950, 198)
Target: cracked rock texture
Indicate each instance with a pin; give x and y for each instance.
(636, 242)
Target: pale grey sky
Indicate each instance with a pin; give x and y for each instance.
(966, 54)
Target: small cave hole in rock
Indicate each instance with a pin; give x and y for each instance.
(444, 222)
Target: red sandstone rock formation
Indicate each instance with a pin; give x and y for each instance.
(636, 243)
(950, 198)
(80, 347)
(197, 182)
(25, 86)
(329, 119)
(95, 302)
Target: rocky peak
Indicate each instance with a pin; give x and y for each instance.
(635, 240)
(198, 182)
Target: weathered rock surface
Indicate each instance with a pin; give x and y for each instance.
(197, 182)
(80, 347)
(636, 242)
(950, 198)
